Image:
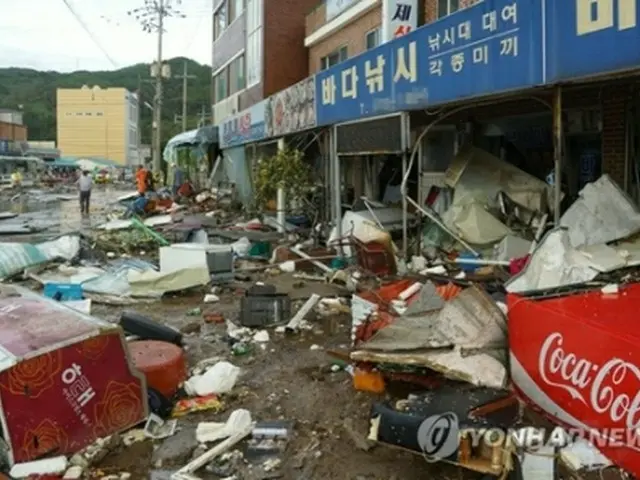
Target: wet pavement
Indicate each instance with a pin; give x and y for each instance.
(52, 214)
(285, 380)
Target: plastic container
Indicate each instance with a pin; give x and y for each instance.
(63, 291)
(163, 364)
(468, 267)
(265, 310)
(368, 381)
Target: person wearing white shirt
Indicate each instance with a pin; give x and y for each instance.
(85, 183)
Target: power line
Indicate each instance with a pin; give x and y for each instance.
(151, 16)
(90, 33)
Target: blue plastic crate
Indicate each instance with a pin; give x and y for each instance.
(67, 291)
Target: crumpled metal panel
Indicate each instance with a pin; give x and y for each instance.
(602, 214)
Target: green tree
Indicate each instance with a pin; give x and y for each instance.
(34, 92)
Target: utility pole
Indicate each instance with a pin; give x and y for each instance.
(157, 151)
(185, 79)
(151, 16)
(204, 116)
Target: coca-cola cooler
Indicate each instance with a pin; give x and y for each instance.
(576, 358)
(65, 379)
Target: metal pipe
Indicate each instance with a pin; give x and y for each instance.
(557, 154)
(420, 196)
(337, 184)
(406, 140)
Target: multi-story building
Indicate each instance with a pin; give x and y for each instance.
(98, 122)
(12, 132)
(339, 29)
(258, 50)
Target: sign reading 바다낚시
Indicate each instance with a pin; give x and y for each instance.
(491, 47)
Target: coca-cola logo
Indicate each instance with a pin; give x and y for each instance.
(610, 389)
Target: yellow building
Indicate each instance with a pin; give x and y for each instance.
(98, 122)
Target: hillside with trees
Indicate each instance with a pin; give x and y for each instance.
(35, 93)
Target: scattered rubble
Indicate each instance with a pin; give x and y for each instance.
(493, 298)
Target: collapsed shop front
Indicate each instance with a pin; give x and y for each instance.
(578, 130)
(369, 162)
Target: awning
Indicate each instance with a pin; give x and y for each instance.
(208, 134)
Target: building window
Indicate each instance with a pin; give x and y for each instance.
(334, 58)
(68, 114)
(237, 77)
(88, 114)
(231, 79)
(133, 136)
(254, 42)
(235, 10)
(99, 114)
(78, 114)
(220, 20)
(221, 85)
(447, 7)
(373, 38)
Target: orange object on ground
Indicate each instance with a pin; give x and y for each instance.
(141, 180)
(448, 291)
(164, 364)
(185, 190)
(368, 381)
(213, 317)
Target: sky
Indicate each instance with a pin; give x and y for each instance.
(45, 35)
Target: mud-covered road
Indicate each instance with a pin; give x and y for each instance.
(289, 379)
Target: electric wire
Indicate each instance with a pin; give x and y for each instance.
(90, 33)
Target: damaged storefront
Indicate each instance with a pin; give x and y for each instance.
(194, 152)
(292, 126)
(523, 156)
(368, 164)
(232, 172)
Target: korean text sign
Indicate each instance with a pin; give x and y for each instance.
(246, 127)
(493, 46)
(589, 37)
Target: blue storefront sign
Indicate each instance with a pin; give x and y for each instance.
(246, 127)
(591, 37)
(493, 46)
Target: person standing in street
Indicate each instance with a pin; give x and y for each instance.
(142, 180)
(85, 183)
